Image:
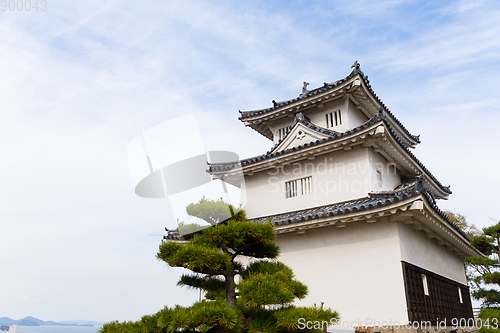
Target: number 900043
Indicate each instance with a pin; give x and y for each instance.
(23, 5)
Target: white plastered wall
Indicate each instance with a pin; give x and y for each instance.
(318, 115)
(336, 177)
(351, 117)
(357, 270)
(424, 252)
(355, 117)
(354, 270)
(388, 172)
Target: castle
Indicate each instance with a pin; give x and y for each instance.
(354, 209)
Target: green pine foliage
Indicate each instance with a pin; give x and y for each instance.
(485, 270)
(188, 228)
(212, 211)
(484, 275)
(247, 298)
(269, 283)
(491, 317)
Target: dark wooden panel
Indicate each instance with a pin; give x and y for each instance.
(443, 302)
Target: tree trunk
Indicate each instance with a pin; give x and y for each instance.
(230, 293)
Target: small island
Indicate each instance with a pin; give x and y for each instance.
(5, 322)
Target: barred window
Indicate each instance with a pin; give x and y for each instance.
(282, 132)
(333, 119)
(298, 187)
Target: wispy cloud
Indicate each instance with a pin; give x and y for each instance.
(462, 39)
(82, 79)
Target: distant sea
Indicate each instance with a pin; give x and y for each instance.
(58, 329)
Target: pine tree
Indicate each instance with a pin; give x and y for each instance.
(484, 271)
(246, 288)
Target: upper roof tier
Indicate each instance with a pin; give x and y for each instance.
(355, 86)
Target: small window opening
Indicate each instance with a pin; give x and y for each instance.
(298, 187)
(333, 119)
(282, 132)
(379, 179)
(425, 284)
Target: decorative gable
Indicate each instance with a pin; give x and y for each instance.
(299, 135)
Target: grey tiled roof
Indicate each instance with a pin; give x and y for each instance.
(329, 86)
(380, 116)
(172, 235)
(405, 190)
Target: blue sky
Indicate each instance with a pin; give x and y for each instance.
(81, 79)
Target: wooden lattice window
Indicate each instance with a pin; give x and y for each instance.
(446, 299)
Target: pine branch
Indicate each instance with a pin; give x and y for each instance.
(207, 283)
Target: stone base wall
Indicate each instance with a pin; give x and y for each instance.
(432, 329)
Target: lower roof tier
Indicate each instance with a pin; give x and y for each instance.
(410, 203)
